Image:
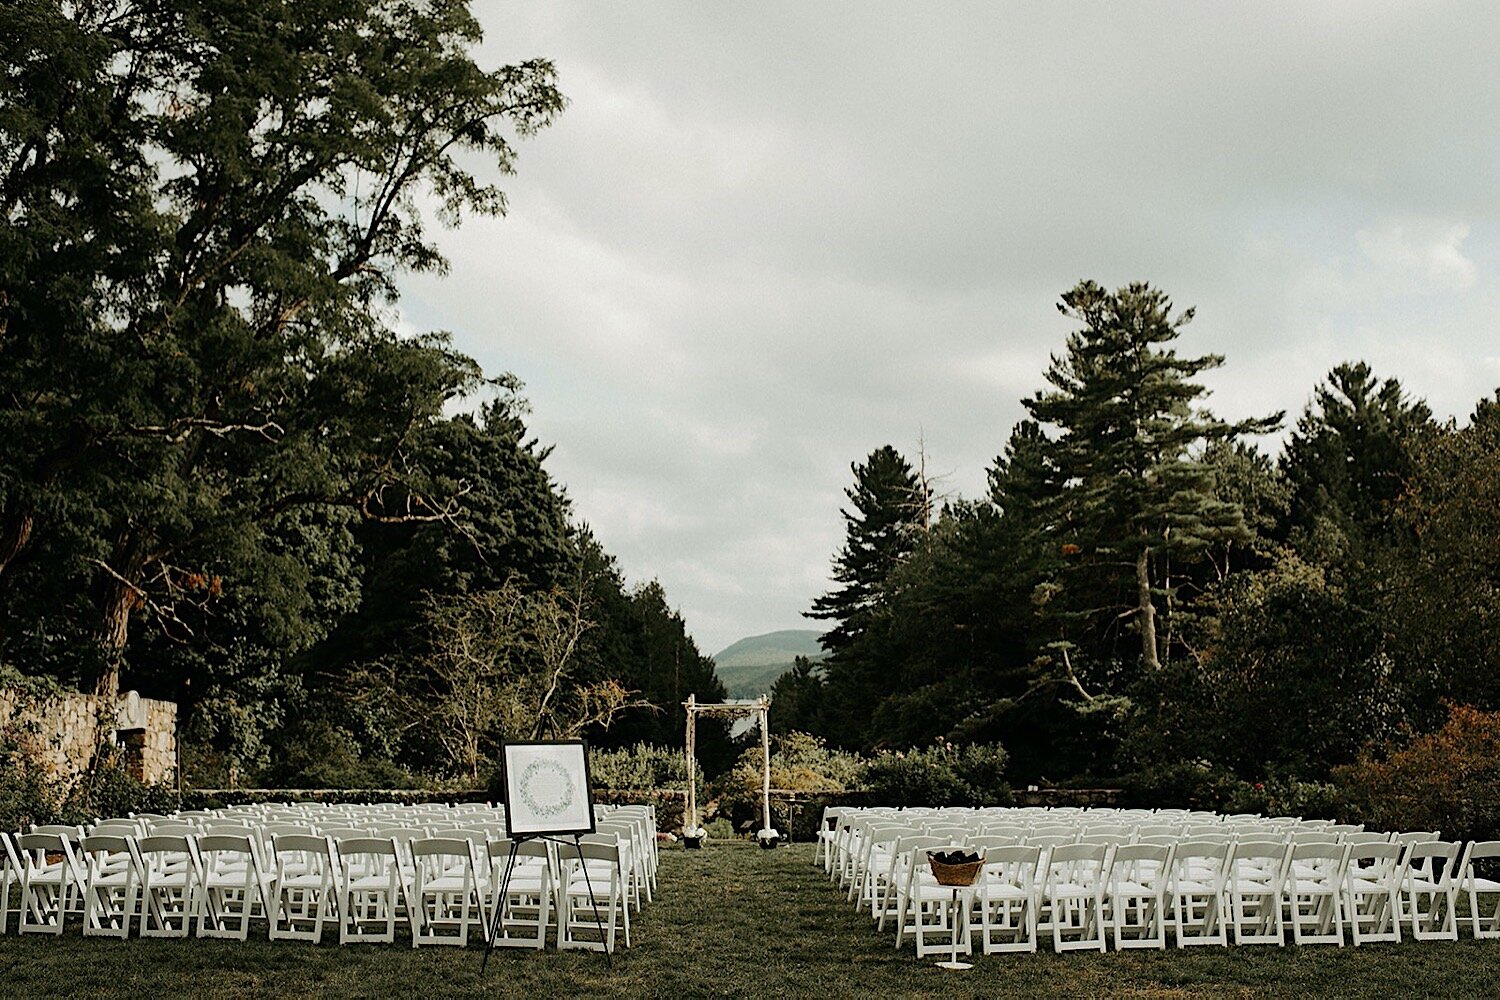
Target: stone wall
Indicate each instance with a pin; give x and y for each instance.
(66, 728)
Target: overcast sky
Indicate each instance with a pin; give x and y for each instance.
(765, 239)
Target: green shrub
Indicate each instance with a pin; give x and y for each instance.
(943, 774)
(640, 767)
(1448, 780)
(108, 790)
(327, 756)
(27, 794)
(1195, 784)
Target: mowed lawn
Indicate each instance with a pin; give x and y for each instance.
(731, 920)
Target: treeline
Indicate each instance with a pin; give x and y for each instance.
(226, 478)
(1142, 589)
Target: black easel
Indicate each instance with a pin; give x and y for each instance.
(510, 865)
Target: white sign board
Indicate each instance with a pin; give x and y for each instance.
(547, 790)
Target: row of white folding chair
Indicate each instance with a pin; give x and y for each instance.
(1373, 888)
(169, 882)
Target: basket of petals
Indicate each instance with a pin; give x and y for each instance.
(956, 867)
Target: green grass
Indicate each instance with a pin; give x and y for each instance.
(732, 920)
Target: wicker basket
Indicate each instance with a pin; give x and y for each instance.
(956, 875)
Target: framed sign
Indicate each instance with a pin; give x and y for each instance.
(547, 789)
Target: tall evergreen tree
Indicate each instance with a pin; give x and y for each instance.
(1349, 458)
(1134, 493)
(887, 509)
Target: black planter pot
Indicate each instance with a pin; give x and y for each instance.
(692, 843)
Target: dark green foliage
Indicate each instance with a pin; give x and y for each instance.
(206, 206)
(1348, 461)
(800, 696)
(1130, 497)
(939, 775)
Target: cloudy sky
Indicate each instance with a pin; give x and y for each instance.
(765, 239)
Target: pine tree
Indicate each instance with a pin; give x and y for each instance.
(1353, 450)
(1132, 495)
(888, 510)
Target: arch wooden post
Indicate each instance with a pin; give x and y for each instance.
(765, 763)
(691, 705)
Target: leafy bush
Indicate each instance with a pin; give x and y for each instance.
(27, 793)
(1448, 780)
(943, 774)
(1196, 784)
(108, 790)
(326, 756)
(640, 767)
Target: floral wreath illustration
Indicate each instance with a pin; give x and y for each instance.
(559, 801)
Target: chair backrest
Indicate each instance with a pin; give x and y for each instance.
(117, 827)
(72, 833)
(230, 843)
(1328, 850)
(362, 849)
(1132, 853)
(1418, 837)
(499, 850)
(1012, 855)
(451, 847)
(301, 843)
(1422, 855)
(1043, 841)
(1484, 849)
(337, 833)
(1373, 858)
(1367, 838)
(1274, 853)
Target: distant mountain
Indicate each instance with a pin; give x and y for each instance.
(748, 667)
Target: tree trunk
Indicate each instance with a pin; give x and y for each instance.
(1145, 610)
(119, 597)
(14, 536)
(114, 630)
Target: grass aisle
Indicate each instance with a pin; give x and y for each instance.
(731, 921)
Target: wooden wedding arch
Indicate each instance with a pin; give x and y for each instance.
(760, 708)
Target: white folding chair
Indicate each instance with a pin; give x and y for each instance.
(1477, 886)
(1199, 873)
(591, 870)
(524, 887)
(46, 885)
(1256, 886)
(235, 885)
(371, 889)
(1372, 892)
(10, 874)
(1073, 891)
(1315, 889)
(305, 891)
(112, 885)
(934, 908)
(170, 884)
(446, 902)
(906, 867)
(1135, 895)
(1007, 898)
(1428, 894)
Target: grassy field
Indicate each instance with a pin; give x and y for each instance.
(732, 920)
